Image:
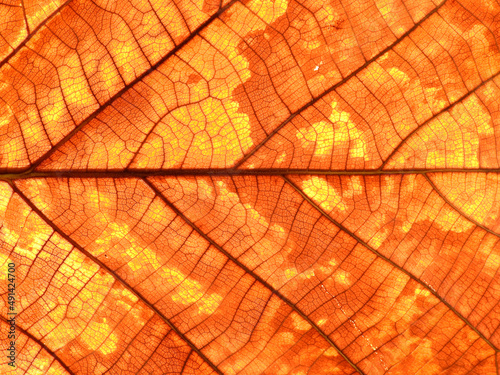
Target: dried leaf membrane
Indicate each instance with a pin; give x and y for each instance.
(259, 187)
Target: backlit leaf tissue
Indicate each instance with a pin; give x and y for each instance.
(250, 187)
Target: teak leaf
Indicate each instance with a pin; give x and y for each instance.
(250, 187)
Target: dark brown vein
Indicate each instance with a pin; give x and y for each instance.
(42, 345)
(117, 277)
(338, 84)
(392, 263)
(250, 272)
(143, 173)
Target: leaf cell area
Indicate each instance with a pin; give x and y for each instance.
(250, 187)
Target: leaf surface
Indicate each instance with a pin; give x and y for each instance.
(257, 187)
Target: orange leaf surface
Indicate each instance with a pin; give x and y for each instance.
(250, 187)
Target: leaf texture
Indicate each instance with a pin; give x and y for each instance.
(254, 187)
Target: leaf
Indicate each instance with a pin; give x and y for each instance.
(258, 187)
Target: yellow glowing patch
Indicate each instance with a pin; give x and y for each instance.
(450, 220)
(480, 115)
(217, 127)
(299, 323)
(109, 73)
(5, 118)
(173, 276)
(75, 86)
(493, 261)
(225, 195)
(94, 196)
(228, 43)
(406, 226)
(214, 128)
(479, 204)
(423, 354)
(279, 230)
(331, 352)
(356, 184)
(390, 15)
(98, 336)
(157, 212)
(9, 236)
(473, 204)
(321, 322)
(206, 191)
(4, 260)
(338, 116)
(141, 256)
(400, 77)
(43, 11)
(422, 292)
(116, 231)
(32, 130)
(290, 273)
(445, 217)
(450, 141)
(41, 364)
(28, 242)
(312, 44)
(113, 231)
(123, 297)
(280, 158)
(255, 215)
(190, 291)
(340, 131)
(286, 338)
(488, 91)
(74, 270)
(5, 195)
(342, 277)
(174, 133)
(322, 193)
(268, 10)
(327, 13)
(52, 113)
(379, 238)
(385, 8)
(210, 304)
(308, 274)
(125, 51)
(319, 135)
(59, 329)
